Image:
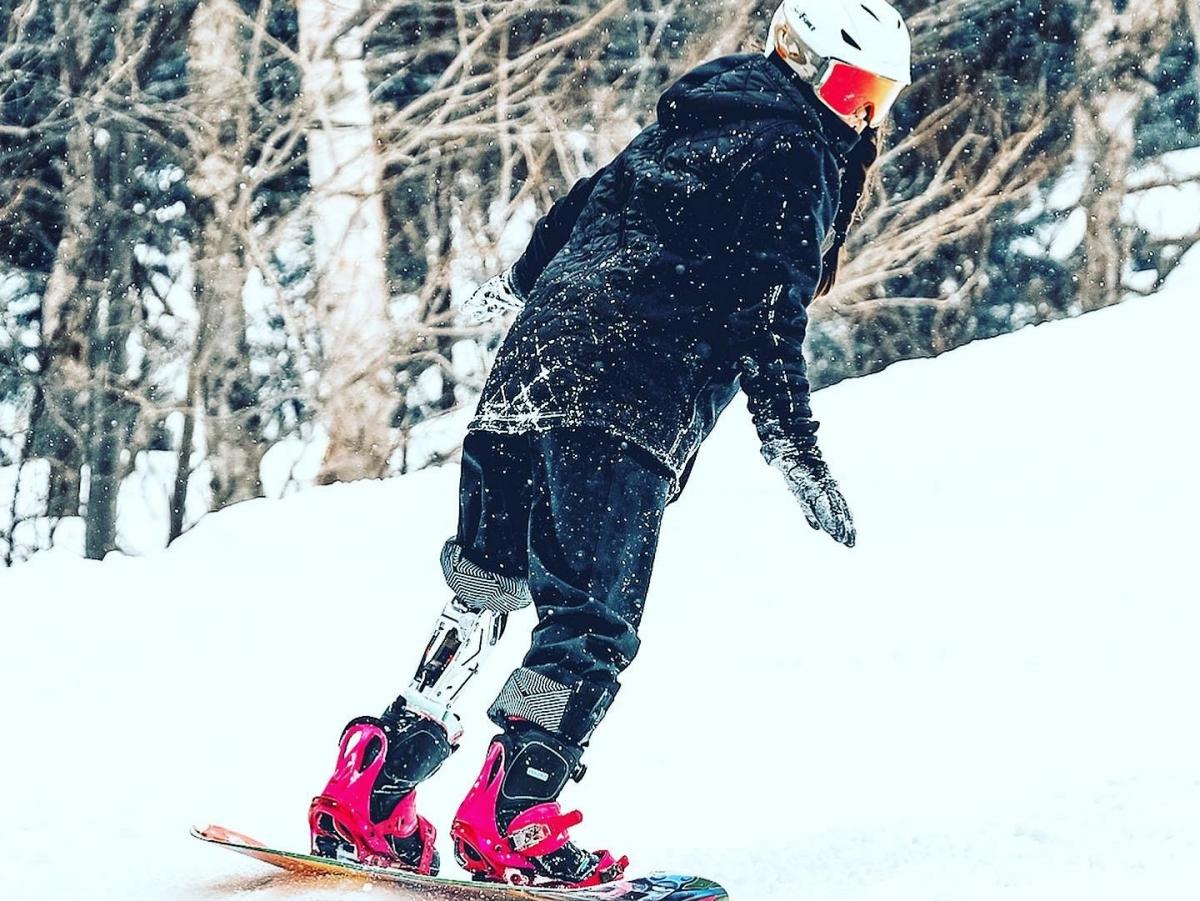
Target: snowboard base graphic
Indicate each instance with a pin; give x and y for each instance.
(655, 887)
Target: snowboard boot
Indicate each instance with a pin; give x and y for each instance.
(368, 812)
(510, 827)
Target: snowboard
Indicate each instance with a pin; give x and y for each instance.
(655, 887)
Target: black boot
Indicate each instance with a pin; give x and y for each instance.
(510, 827)
(368, 810)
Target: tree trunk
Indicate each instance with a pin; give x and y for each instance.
(60, 447)
(349, 230)
(59, 416)
(115, 303)
(183, 469)
(111, 419)
(233, 422)
(1106, 124)
(1121, 50)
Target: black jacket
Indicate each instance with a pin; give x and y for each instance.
(681, 270)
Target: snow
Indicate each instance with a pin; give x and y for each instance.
(991, 697)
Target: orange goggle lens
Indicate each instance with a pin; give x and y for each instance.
(848, 89)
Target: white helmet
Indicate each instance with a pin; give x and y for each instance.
(855, 53)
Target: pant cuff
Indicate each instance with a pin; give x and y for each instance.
(480, 589)
(569, 711)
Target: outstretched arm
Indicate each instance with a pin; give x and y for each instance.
(791, 207)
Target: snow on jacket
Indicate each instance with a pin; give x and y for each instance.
(680, 271)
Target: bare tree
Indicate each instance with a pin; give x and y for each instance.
(86, 309)
(221, 94)
(97, 112)
(1121, 44)
(345, 171)
(65, 375)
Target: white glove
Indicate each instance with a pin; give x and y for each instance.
(819, 496)
(495, 297)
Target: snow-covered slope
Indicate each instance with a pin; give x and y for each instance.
(992, 696)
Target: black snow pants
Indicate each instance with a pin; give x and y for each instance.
(576, 513)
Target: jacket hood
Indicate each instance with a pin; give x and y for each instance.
(745, 88)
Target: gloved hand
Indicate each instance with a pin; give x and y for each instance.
(495, 297)
(819, 496)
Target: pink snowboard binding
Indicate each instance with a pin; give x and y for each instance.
(493, 855)
(340, 817)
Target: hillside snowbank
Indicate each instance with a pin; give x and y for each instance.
(992, 696)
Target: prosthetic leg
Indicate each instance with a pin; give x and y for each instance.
(367, 811)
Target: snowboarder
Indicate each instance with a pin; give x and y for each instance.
(648, 295)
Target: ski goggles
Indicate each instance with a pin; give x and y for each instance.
(845, 88)
(848, 89)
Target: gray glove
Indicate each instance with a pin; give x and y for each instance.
(819, 496)
(495, 297)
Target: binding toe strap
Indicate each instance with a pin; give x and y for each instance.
(542, 829)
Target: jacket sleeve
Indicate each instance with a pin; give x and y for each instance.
(789, 209)
(552, 231)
